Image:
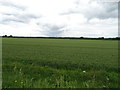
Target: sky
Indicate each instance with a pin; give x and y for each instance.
(59, 18)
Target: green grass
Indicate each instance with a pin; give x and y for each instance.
(59, 63)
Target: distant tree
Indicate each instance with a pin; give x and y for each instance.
(4, 35)
(117, 38)
(101, 38)
(10, 36)
(81, 37)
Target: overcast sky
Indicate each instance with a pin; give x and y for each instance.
(74, 18)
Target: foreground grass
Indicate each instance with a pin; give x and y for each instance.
(59, 63)
(29, 76)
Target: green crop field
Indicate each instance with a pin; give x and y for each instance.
(59, 63)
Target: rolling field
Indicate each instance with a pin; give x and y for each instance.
(59, 63)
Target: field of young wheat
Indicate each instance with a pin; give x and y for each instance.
(59, 63)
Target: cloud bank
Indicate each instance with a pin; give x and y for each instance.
(59, 18)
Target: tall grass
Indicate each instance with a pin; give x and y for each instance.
(59, 63)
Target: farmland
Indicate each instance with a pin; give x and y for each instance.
(59, 63)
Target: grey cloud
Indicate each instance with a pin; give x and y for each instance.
(111, 6)
(5, 21)
(109, 10)
(52, 30)
(4, 3)
(53, 33)
(16, 16)
(53, 27)
(20, 18)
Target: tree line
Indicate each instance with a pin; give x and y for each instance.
(98, 38)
